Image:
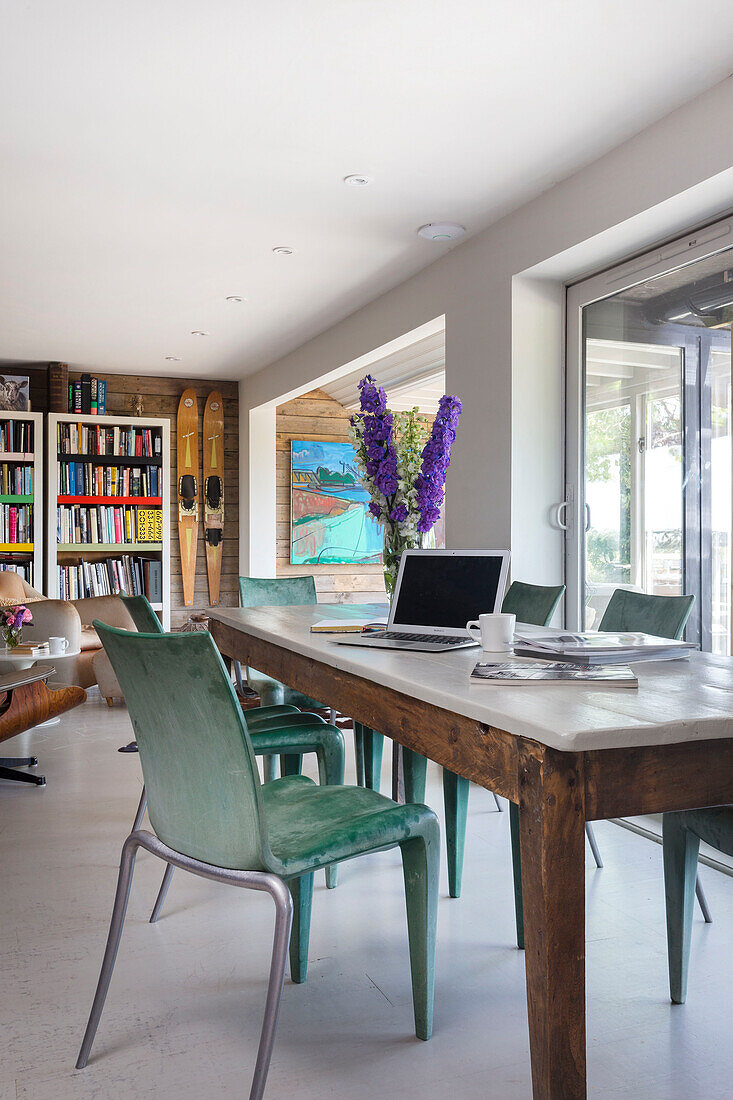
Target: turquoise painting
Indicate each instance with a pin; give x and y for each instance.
(330, 523)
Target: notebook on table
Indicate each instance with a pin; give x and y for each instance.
(436, 593)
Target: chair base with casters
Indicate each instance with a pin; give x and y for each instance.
(681, 836)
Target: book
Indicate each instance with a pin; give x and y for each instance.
(345, 626)
(93, 395)
(514, 673)
(600, 648)
(101, 397)
(86, 394)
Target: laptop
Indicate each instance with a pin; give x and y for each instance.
(436, 594)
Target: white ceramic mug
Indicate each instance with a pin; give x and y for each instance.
(494, 632)
(57, 646)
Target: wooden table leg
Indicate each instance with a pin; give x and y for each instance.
(552, 838)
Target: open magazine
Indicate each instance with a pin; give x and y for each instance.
(543, 672)
(600, 648)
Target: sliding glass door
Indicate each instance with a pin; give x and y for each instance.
(648, 503)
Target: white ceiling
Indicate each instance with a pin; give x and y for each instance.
(153, 152)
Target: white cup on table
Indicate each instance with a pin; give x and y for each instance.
(58, 646)
(494, 632)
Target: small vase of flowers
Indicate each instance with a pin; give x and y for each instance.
(12, 623)
(403, 468)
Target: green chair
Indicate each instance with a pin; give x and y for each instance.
(663, 616)
(211, 816)
(531, 603)
(681, 836)
(282, 729)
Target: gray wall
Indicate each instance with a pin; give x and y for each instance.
(504, 334)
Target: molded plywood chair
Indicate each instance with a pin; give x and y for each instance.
(276, 729)
(681, 836)
(211, 816)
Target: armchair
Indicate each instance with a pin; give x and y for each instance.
(70, 619)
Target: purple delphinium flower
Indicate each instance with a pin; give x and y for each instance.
(377, 427)
(374, 509)
(430, 482)
(399, 514)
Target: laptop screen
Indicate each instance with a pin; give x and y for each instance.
(446, 590)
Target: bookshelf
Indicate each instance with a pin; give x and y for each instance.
(21, 494)
(109, 508)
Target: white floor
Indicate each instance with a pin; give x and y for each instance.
(185, 1004)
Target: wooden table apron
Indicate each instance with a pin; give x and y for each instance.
(557, 792)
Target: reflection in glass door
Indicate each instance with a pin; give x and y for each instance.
(651, 505)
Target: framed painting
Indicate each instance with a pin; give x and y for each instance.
(330, 522)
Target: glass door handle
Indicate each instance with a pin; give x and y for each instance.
(558, 514)
(587, 516)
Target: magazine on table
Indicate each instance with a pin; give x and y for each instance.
(543, 672)
(594, 648)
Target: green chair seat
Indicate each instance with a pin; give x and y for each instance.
(272, 692)
(333, 823)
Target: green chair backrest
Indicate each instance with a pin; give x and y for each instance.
(532, 603)
(663, 616)
(142, 614)
(276, 591)
(199, 769)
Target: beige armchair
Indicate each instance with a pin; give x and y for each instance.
(70, 619)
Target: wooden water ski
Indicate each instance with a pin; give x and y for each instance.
(188, 496)
(214, 490)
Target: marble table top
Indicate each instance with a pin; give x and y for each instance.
(682, 700)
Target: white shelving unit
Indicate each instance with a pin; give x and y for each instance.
(31, 552)
(72, 553)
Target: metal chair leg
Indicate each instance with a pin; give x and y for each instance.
(140, 811)
(124, 880)
(249, 880)
(593, 844)
(703, 902)
(280, 944)
(167, 876)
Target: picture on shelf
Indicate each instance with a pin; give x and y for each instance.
(15, 392)
(330, 521)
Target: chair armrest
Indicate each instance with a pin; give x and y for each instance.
(108, 609)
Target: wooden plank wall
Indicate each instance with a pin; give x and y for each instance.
(160, 398)
(317, 416)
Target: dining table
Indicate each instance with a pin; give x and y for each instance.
(564, 753)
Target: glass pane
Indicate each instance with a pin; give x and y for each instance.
(634, 470)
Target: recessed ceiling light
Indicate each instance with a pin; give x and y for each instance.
(173, 358)
(441, 231)
(283, 250)
(198, 332)
(357, 181)
(234, 298)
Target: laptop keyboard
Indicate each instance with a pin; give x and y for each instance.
(434, 639)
